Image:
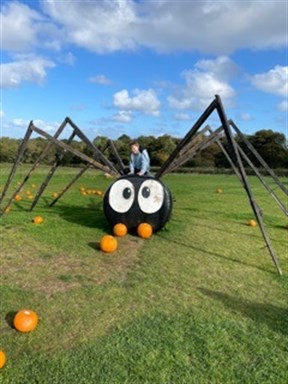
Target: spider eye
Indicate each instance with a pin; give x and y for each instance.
(121, 196)
(127, 193)
(145, 191)
(151, 196)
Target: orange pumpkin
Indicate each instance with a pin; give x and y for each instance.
(38, 220)
(18, 198)
(2, 359)
(108, 244)
(252, 223)
(120, 229)
(25, 320)
(144, 230)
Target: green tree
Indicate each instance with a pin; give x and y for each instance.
(8, 149)
(35, 148)
(161, 148)
(272, 146)
(100, 142)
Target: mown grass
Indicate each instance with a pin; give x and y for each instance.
(199, 302)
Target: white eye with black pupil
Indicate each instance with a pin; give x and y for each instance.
(151, 196)
(121, 196)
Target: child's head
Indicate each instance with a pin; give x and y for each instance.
(134, 145)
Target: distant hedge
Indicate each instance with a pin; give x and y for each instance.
(280, 172)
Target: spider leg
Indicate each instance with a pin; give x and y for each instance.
(190, 145)
(98, 159)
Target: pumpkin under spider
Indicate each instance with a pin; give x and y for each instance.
(133, 200)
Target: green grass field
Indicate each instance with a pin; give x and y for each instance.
(199, 302)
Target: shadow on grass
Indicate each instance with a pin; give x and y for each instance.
(95, 245)
(273, 316)
(214, 254)
(90, 215)
(217, 228)
(10, 317)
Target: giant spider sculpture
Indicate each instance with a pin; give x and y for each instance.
(133, 199)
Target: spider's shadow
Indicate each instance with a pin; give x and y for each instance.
(275, 317)
(91, 215)
(198, 249)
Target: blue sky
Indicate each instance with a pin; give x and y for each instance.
(142, 67)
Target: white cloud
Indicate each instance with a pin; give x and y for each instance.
(244, 117)
(28, 69)
(45, 126)
(166, 26)
(78, 107)
(201, 84)
(100, 79)
(123, 117)
(18, 26)
(283, 106)
(182, 116)
(67, 58)
(49, 127)
(19, 126)
(222, 67)
(100, 26)
(23, 28)
(144, 101)
(274, 81)
(22, 123)
(213, 26)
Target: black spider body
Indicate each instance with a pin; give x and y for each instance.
(133, 200)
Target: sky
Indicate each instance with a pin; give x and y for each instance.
(142, 67)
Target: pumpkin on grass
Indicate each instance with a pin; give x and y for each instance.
(144, 230)
(38, 220)
(2, 359)
(25, 320)
(108, 244)
(252, 223)
(120, 229)
(18, 198)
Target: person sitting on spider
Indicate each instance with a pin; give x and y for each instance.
(139, 160)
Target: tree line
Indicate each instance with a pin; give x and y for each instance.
(272, 147)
